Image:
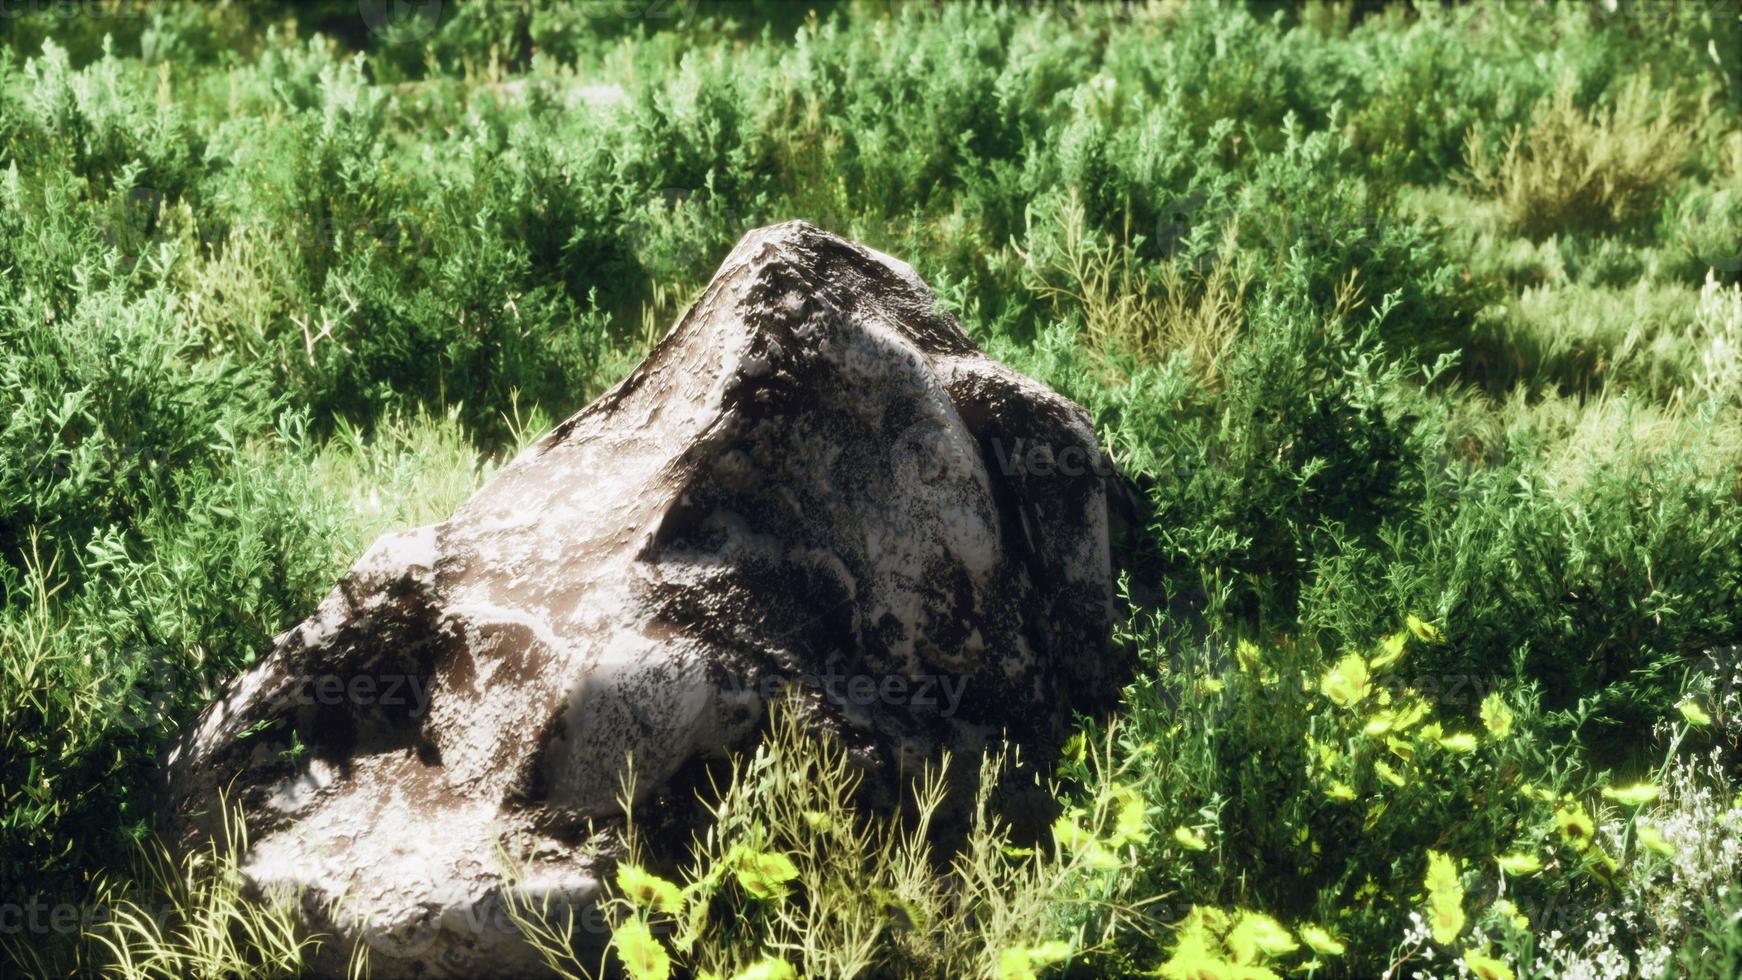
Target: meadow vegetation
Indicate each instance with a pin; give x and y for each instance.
(1418, 330)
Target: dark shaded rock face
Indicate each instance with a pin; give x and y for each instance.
(815, 483)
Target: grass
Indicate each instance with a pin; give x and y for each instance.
(1126, 310)
(1591, 170)
(189, 915)
(1410, 323)
(803, 880)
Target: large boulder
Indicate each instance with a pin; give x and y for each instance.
(816, 485)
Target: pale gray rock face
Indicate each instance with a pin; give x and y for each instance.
(816, 483)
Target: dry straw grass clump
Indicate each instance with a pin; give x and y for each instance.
(1181, 309)
(1586, 170)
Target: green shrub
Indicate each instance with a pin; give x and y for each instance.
(792, 876)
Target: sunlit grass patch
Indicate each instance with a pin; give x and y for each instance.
(170, 917)
(403, 472)
(1581, 340)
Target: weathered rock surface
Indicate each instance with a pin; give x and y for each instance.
(814, 480)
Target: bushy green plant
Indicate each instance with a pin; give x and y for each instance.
(791, 877)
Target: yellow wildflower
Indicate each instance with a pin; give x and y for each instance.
(1083, 844)
(763, 874)
(1638, 794)
(1070, 834)
(767, 968)
(1130, 823)
(1423, 629)
(1246, 655)
(1519, 864)
(649, 891)
(1257, 935)
(1397, 719)
(1390, 649)
(1531, 791)
(1193, 961)
(1445, 898)
(1024, 962)
(1694, 714)
(1442, 873)
(1445, 919)
(644, 958)
(1510, 912)
(1574, 824)
(1096, 857)
(1321, 941)
(1198, 953)
(1486, 967)
(1348, 682)
(1496, 715)
(1190, 839)
(1461, 742)
(1653, 840)
(1207, 917)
